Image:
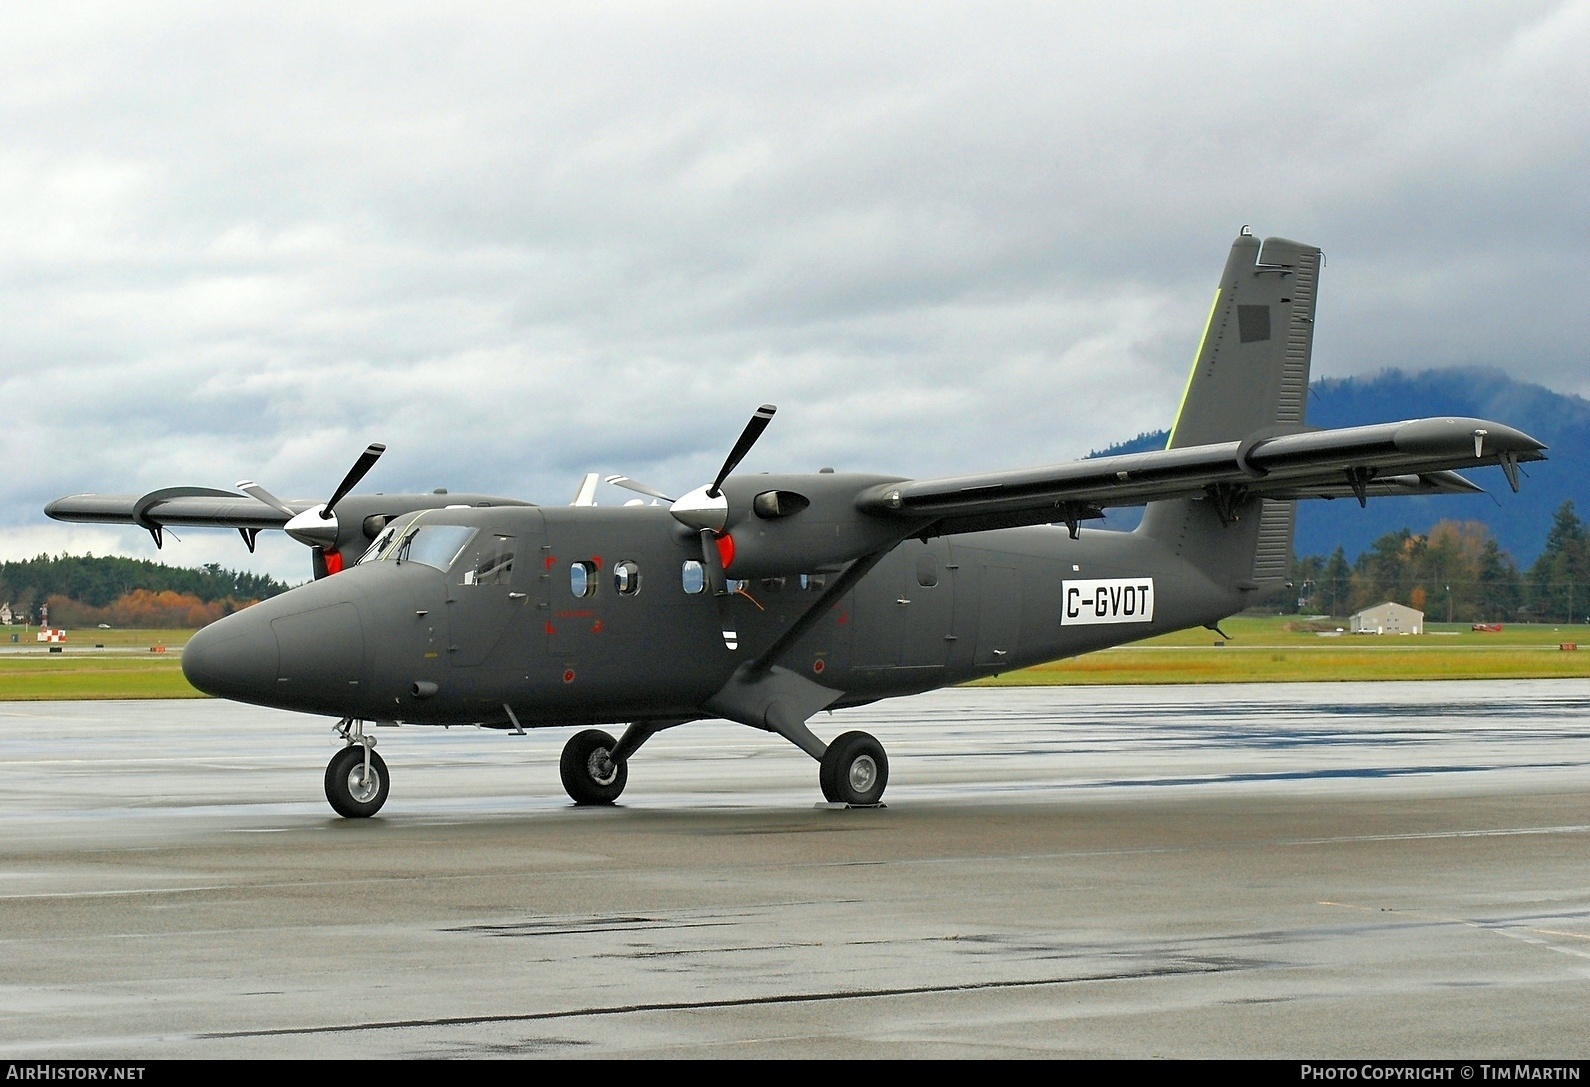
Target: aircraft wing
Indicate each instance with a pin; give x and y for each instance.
(202, 507)
(1417, 456)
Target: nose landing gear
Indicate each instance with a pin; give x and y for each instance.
(357, 781)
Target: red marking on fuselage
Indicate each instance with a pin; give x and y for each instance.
(596, 627)
(817, 666)
(551, 629)
(568, 675)
(596, 561)
(549, 560)
(586, 614)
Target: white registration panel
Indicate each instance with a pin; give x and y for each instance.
(1107, 600)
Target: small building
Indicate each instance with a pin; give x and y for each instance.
(1389, 618)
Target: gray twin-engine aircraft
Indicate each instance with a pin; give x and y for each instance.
(766, 598)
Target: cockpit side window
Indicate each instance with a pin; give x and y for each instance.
(434, 545)
(493, 563)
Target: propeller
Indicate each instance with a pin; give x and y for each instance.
(707, 511)
(360, 469)
(753, 430)
(317, 526)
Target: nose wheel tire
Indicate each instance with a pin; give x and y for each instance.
(590, 774)
(854, 770)
(351, 793)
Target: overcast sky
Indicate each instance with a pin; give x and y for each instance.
(521, 242)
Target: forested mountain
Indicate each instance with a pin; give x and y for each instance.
(1520, 522)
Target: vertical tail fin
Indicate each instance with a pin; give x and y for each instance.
(1249, 378)
(1251, 370)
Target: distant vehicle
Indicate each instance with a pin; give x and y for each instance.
(765, 599)
(1487, 628)
(104, 626)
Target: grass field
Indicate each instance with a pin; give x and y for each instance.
(83, 640)
(1284, 649)
(123, 668)
(1259, 650)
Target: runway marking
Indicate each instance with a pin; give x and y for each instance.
(1415, 836)
(1500, 928)
(708, 1005)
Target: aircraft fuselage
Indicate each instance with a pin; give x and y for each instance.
(502, 626)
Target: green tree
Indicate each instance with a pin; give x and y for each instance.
(1336, 582)
(1559, 580)
(1500, 590)
(100, 581)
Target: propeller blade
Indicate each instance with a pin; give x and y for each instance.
(254, 490)
(716, 578)
(753, 431)
(639, 488)
(361, 466)
(585, 494)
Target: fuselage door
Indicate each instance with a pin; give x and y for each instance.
(998, 616)
(489, 591)
(929, 584)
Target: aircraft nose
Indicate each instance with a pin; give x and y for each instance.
(235, 657)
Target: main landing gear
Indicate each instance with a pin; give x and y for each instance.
(591, 774)
(356, 778)
(854, 770)
(595, 767)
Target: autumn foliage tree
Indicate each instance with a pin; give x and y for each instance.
(1456, 571)
(143, 609)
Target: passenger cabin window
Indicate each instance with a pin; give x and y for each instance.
(693, 577)
(494, 564)
(927, 571)
(434, 545)
(582, 579)
(626, 578)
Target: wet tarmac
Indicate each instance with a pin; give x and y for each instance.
(1280, 870)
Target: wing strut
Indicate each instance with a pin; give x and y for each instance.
(821, 607)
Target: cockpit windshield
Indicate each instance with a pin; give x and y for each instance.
(433, 545)
(378, 546)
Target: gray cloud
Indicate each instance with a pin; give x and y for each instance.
(518, 244)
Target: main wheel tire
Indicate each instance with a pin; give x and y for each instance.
(590, 776)
(854, 770)
(350, 794)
